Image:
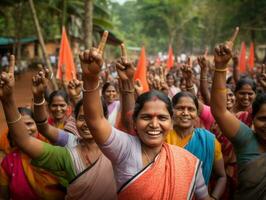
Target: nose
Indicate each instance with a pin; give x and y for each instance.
(154, 122)
(185, 111)
(58, 108)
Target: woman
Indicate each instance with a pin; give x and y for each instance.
(249, 146)
(68, 163)
(199, 142)
(60, 112)
(19, 179)
(245, 93)
(170, 80)
(110, 96)
(160, 171)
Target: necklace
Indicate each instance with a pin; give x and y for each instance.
(146, 155)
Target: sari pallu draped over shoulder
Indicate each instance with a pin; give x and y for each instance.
(95, 183)
(171, 176)
(252, 180)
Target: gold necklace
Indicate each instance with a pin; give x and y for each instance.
(147, 156)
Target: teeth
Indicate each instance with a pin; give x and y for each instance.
(154, 132)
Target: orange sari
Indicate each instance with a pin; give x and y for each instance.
(171, 176)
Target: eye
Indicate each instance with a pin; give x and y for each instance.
(145, 117)
(163, 118)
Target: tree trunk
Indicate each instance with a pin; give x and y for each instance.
(40, 37)
(88, 24)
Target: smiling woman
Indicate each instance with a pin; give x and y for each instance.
(145, 167)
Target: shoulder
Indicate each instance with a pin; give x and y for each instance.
(204, 133)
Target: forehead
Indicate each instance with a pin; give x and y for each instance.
(27, 118)
(58, 100)
(246, 88)
(154, 106)
(185, 101)
(110, 87)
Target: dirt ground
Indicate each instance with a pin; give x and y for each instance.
(23, 94)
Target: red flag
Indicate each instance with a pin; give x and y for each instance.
(141, 71)
(170, 61)
(65, 59)
(251, 57)
(242, 58)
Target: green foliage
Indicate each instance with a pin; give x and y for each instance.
(189, 25)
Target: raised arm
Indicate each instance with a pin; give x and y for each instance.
(204, 90)
(228, 123)
(18, 130)
(187, 73)
(39, 85)
(126, 71)
(74, 88)
(91, 63)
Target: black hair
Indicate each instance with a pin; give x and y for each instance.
(106, 85)
(258, 103)
(148, 96)
(80, 103)
(25, 111)
(245, 81)
(179, 95)
(55, 93)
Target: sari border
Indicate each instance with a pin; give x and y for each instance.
(84, 171)
(133, 178)
(192, 186)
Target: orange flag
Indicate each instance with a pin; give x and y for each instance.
(251, 57)
(242, 59)
(65, 59)
(141, 71)
(170, 61)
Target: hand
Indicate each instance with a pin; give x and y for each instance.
(7, 80)
(40, 83)
(262, 77)
(74, 88)
(92, 60)
(125, 69)
(187, 71)
(223, 52)
(138, 87)
(235, 60)
(203, 62)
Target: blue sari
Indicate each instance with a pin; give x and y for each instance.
(202, 145)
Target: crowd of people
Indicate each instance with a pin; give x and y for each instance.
(191, 136)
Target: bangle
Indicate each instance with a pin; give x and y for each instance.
(214, 197)
(220, 70)
(39, 104)
(190, 88)
(91, 90)
(204, 78)
(15, 121)
(41, 122)
(128, 91)
(221, 90)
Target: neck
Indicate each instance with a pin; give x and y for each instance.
(151, 152)
(237, 108)
(90, 144)
(183, 132)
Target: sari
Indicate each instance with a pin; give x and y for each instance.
(113, 112)
(96, 182)
(252, 182)
(33, 182)
(202, 145)
(16, 168)
(170, 176)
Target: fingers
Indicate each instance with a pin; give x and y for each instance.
(102, 42)
(232, 39)
(119, 66)
(11, 64)
(123, 53)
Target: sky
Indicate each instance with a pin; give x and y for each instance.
(120, 1)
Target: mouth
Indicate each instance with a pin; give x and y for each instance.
(154, 133)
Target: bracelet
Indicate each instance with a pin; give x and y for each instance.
(213, 197)
(15, 121)
(221, 90)
(190, 88)
(220, 70)
(129, 91)
(39, 104)
(91, 90)
(205, 78)
(41, 122)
